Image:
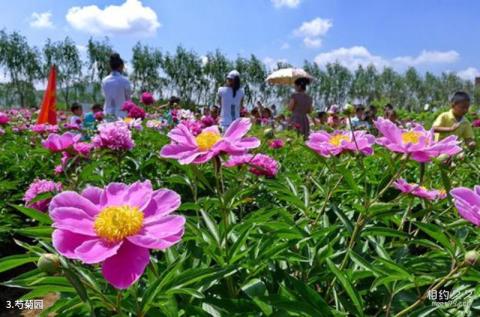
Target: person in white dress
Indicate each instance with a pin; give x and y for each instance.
(230, 99)
(116, 89)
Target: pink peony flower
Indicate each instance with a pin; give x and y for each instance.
(37, 187)
(147, 98)
(70, 126)
(134, 123)
(208, 121)
(83, 148)
(467, 202)
(419, 191)
(115, 136)
(128, 105)
(193, 125)
(4, 119)
(99, 115)
(136, 113)
(326, 144)
(417, 142)
(276, 144)
(476, 123)
(58, 169)
(59, 143)
(187, 148)
(260, 164)
(44, 128)
(116, 226)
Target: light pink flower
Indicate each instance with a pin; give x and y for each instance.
(37, 187)
(419, 191)
(193, 125)
(116, 226)
(156, 124)
(187, 148)
(276, 144)
(59, 143)
(260, 164)
(416, 142)
(71, 126)
(333, 144)
(147, 98)
(114, 136)
(467, 202)
(4, 119)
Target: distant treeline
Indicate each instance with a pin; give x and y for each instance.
(195, 79)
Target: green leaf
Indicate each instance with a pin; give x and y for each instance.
(347, 286)
(212, 226)
(13, 261)
(34, 214)
(436, 232)
(36, 232)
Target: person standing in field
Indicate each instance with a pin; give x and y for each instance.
(230, 99)
(301, 104)
(116, 89)
(453, 122)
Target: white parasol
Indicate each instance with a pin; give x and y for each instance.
(287, 76)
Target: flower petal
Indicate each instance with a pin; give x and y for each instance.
(163, 202)
(125, 268)
(72, 219)
(161, 234)
(96, 251)
(93, 194)
(65, 242)
(73, 199)
(238, 129)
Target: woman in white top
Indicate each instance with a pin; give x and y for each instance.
(230, 99)
(116, 89)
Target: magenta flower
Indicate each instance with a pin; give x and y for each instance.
(37, 187)
(115, 136)
(116, 227)
(136, 112)
(417, 142)
(276, 144)
(467, 202)
(44, 128)
(59, 143)
(260, 164)
(83, 148)
(127, 105)
(326, 144)
(193, 125)
(419, 191)
(208, 121)
(187, 148)
(476, 123)
(147, 98)
(99, 116)
(4, 119)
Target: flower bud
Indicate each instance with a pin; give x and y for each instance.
(461, 155)
(348, 110)
(471, 257)
(49, 263)
(443, 157)
(269, 133)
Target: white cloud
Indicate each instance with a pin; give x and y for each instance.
(351, 57)
(286, 3)
(312, 31)
(271, 63)
(285, 46)
(314, 28)
(469, 74)
(41, 20)
(131, 17)
(429, 57)
(312, 43)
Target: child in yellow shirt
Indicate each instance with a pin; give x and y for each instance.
(453, 122)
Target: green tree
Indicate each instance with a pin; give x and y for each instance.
(146, 64)
(64, 54)
(21, 63)
(98, 64)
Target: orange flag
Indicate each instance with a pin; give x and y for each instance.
(48, 112)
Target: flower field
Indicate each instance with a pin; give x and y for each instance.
(144, 218)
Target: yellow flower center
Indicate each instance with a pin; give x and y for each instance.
(207, 139)
(337, 139)
(128, 120)
(114, 223)
(412, 137)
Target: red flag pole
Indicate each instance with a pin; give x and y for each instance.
(48, 111)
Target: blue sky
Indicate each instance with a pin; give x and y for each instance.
(435, 35)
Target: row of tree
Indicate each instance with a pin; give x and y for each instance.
(196, 78)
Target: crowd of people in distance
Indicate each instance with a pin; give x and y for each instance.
(298, 115)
